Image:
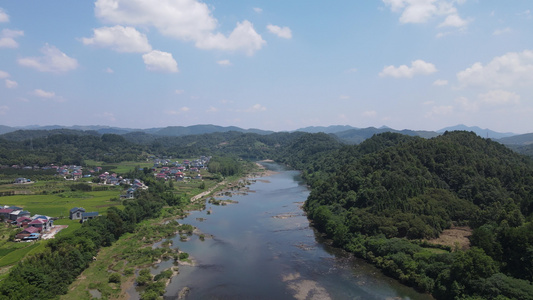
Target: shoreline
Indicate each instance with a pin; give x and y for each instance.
(220, 188)
(214, 192)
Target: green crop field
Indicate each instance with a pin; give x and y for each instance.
(120, 168)
(16, 255)
(58, 205)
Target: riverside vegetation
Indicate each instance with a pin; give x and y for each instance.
(383, 200)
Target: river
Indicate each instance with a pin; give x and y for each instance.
(263, 248)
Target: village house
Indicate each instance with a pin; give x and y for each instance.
(4, 213)
(21, 180)
(76, 212)
(27, 232)
(22, 221)
(88, 216)
(44, 223)
(14, 215)
(79, 213)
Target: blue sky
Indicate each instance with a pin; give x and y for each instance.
(275, 65)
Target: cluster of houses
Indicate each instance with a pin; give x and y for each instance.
(136, 185)
(176, 170)
(33, 227)
(70, 172)
(74, 172)
(112, 179)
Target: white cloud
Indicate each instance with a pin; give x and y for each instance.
(107, 116)
(44, 94)
(258, 10)
(502, 31)
(510, 69)
(187, 20)
(243, 38)
(418, 11)
(53, 61)
(489, 100)
(7, 38)
(224, 62)
(369, 114)
(352, 70)
(255, 108)
(3, 74)
(11, 84)
(179, 92)
(403, 71)
(453, 21)
(282, 32)
(212, 109)
(526, 13)
(120, 39)
(467, 105)
(3, 109)
(442, 34)
(422, 11)
(178, 112)
(344, 97)
(439, 110)
(499, 97)
(109, 70)
(440, 82)
(159, 61)
(4, 17)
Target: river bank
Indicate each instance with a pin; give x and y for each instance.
(134, 252)
(267, 236)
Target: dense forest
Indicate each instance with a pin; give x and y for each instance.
(60, 148)
(382, 200)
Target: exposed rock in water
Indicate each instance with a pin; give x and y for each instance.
(183, 293)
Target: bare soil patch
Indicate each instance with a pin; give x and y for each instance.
(454, 236)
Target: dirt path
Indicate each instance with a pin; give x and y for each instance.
(199, 196)
(53, 231)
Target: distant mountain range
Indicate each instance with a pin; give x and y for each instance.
(485, 133)
(163, 131)
(348, 134)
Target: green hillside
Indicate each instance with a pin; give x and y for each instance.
(411, 189)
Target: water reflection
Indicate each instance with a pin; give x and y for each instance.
(263, 248)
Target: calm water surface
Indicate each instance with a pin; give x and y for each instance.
(263, 248)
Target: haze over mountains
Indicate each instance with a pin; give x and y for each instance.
(346, 133)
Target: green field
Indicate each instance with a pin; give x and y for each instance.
(17, 254)
(58, 205)
(120, 168)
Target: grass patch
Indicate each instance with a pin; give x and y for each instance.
(72, 226)
(18, 254)
(58, 205)
(122, 167)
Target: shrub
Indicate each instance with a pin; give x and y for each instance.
(114, 278)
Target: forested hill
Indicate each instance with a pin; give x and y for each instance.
(391, 186)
